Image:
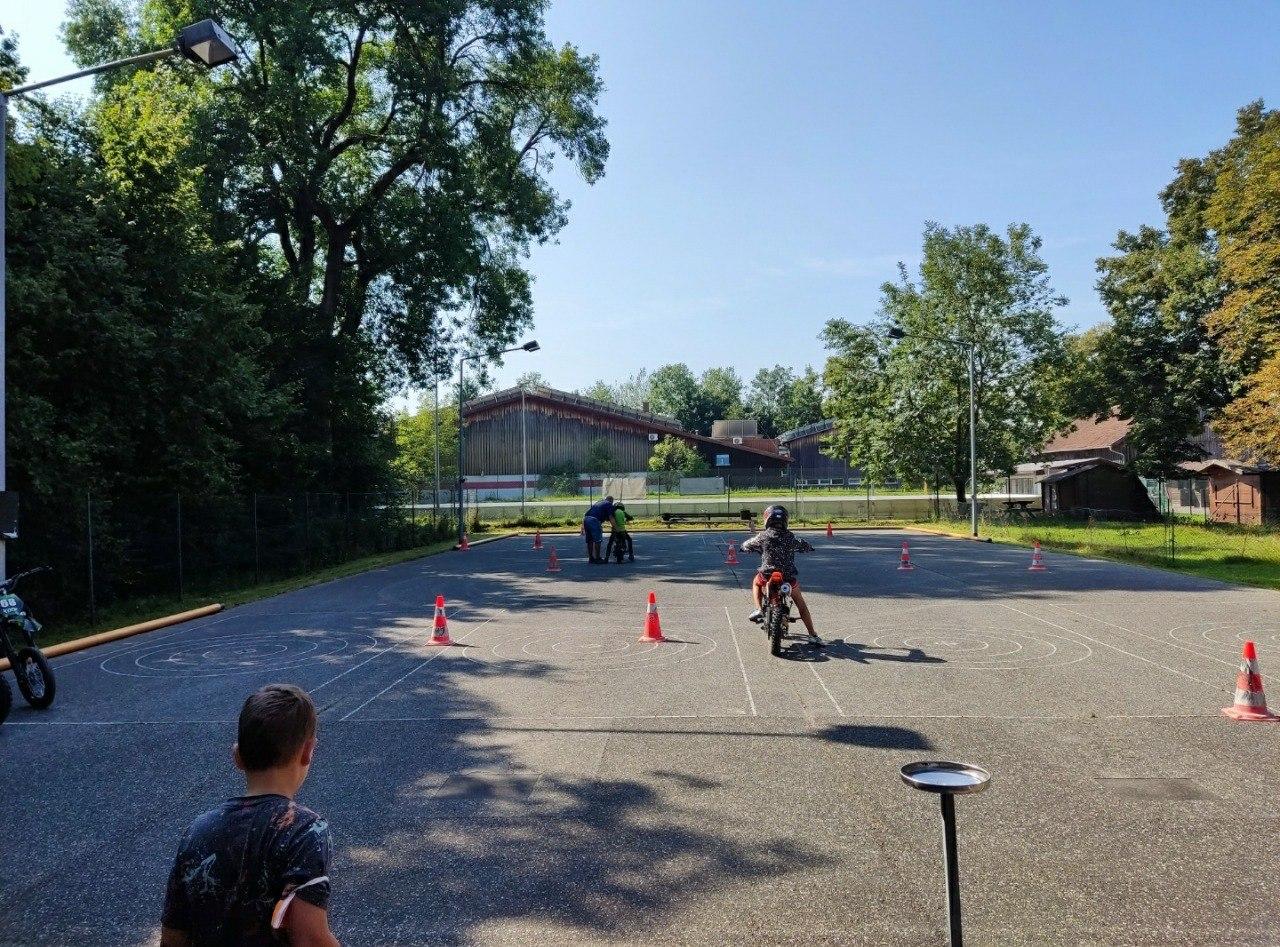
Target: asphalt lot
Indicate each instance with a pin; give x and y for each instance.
(553, 779)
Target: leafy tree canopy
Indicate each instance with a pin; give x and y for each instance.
(674, 455)
(901, 408)
(382, 170)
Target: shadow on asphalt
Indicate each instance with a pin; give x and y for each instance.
(876, 737)
(842, 649)
(444, 831)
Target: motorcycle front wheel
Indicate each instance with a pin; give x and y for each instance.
(6, 698)
(35, 678)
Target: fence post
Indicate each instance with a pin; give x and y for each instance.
(179, 518)
(93, 600)
(257, 556)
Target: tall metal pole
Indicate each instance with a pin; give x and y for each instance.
(435, 503)
(462, 523)
(524, 453)
(973, 448)
(4, 135)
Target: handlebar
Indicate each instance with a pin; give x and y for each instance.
(10, 583)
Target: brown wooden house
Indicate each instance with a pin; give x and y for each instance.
(1240, 493)
(1096, 487)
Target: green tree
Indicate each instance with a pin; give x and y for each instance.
(1242, 226)
(721, 393)
(1159, 366)
(779, 400)
(415, 436)
(674, 458)
(383, 169)
(675, 391)
(632, 392)
(902, 407)
(531, 380)
(801, 401)
(765, 396)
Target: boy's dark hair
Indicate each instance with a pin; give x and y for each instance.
(274, 723)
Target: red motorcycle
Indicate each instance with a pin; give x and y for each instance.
(776, 611)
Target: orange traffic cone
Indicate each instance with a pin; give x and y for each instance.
(553, 563)
(732, 558)
(440, 633)
(464, 545)
(831, 534)
(1037, 559)
(652, 626)
(537, 540)
(1250, 702)
(904, 565)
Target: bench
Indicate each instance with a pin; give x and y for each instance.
(705, 516)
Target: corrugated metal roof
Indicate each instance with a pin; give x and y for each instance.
(817, 427)
(659, 422)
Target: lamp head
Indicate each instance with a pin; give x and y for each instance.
(207, 43)
(531, 346)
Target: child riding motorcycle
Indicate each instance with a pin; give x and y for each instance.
(778, 547)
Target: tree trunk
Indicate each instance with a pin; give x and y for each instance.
(960, 483)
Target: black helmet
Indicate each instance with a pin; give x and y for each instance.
(776, 515)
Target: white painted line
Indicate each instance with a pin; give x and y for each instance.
(742, 667)
(1130, 654)
(414, 670)
(356, 667)
(1163, 641)
(824, 688)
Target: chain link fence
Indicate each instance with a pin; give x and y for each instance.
(109, 550)
(812, 494)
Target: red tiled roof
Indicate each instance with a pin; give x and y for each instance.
(1089, 434)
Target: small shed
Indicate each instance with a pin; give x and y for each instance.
(1096, 487)
(1239, 493)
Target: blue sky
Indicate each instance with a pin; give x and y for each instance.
(773, 161)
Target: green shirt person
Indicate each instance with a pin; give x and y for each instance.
(619, 537)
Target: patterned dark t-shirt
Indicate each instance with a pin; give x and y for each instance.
(237, 861)
(778, 548)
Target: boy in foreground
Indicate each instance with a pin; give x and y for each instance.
(778, 546)
(255, 870)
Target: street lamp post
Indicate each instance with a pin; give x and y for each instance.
(530, 346)
(971, 351)
(206, 43)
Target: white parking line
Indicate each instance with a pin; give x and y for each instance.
(357, 667)
(413, 670)
(742, 667)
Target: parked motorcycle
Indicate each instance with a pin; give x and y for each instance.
(18, 644)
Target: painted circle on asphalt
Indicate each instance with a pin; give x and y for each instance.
(1228, 637)
(971, 648)
(236, 654)
(594, 650)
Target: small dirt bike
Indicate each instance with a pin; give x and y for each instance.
(18, 632)
(776, 611)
